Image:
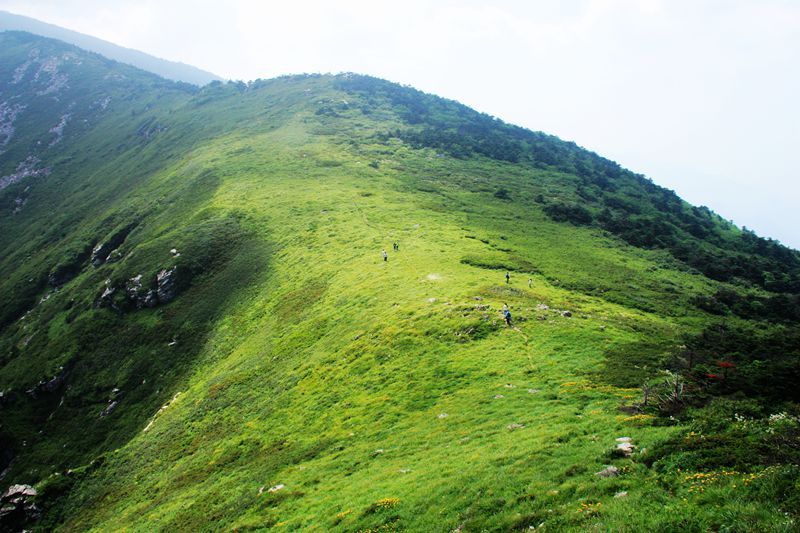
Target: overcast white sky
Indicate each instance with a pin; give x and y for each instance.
(702, 96)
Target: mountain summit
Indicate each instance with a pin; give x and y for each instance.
(282, 304)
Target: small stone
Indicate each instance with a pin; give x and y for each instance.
(622, 494)
(498, 396)
(512, 427)
(609, 471)
(442, 415)
(623, 439)
(533, 391)
(626, 448)
(276, 488)
(109, 408)
(566, 314)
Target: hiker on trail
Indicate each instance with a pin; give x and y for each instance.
(396, 246)
(385, 255)
(507, 314)
(530, 282)
(508, 277)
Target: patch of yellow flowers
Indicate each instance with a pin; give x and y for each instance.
(699, 481)
(386, 503)
(639, 420)
(693, 435)
(589, 509)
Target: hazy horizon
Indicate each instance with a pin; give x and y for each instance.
(698, 96)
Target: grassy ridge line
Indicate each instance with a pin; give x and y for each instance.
(300, 354)
(332, 355)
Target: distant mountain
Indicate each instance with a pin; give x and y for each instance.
(168, 69)
(199, 331)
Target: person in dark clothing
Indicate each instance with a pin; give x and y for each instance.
(385, 256)
(507, 315)
(508, 277)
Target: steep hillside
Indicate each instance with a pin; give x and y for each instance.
(199, 330)
(168, 69)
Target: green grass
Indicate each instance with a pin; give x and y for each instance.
(381, 395)
(338, 369)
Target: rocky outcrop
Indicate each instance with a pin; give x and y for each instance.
(49, 75)
(105, 250)
(58, 129)
(102, 103)
(17, 508)
(138, 295)
(8, 114)
(26, 169)
(106, 299)
(134, 287)
(100, 253)
(167, 285)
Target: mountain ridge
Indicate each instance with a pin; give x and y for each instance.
(199, 330)
(172, 70)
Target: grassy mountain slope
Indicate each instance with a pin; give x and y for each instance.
(294, 379)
